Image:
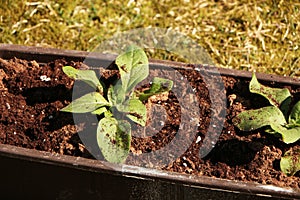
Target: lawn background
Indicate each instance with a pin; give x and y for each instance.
(262, 35)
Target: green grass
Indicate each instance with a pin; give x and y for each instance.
(261, 35)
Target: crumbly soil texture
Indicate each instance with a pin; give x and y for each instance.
(32, 95)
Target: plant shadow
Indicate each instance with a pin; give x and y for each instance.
(234, 152)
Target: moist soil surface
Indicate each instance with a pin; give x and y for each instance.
(32, 95)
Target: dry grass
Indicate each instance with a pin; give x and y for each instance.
(262, 35)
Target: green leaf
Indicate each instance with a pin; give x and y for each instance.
(285, 107)
(253, 119)
(88, 76)
(270, 130)
(294, 117)
(99, 111)
(133, 67)
(113, 138)
(290, 162)
(108, 114)
(87, 103)
(115, 94)
(159, 85)
(289, 135)
(136, 111)
(274, 95)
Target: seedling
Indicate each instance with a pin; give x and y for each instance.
(275, 120)
(119, 104)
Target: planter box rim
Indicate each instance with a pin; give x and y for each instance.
(136, 172)
(49, 54)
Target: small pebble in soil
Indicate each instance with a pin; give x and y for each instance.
(8, 106)
(45, 78)
(198, 139)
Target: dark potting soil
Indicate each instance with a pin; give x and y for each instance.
(32, 95)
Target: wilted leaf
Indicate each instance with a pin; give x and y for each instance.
(87, 103)
(114, 139)
(274, 95)
(88, 76)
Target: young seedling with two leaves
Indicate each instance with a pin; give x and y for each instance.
(119, 103)
(275, 119)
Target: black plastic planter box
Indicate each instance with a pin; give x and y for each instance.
(32, 174)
